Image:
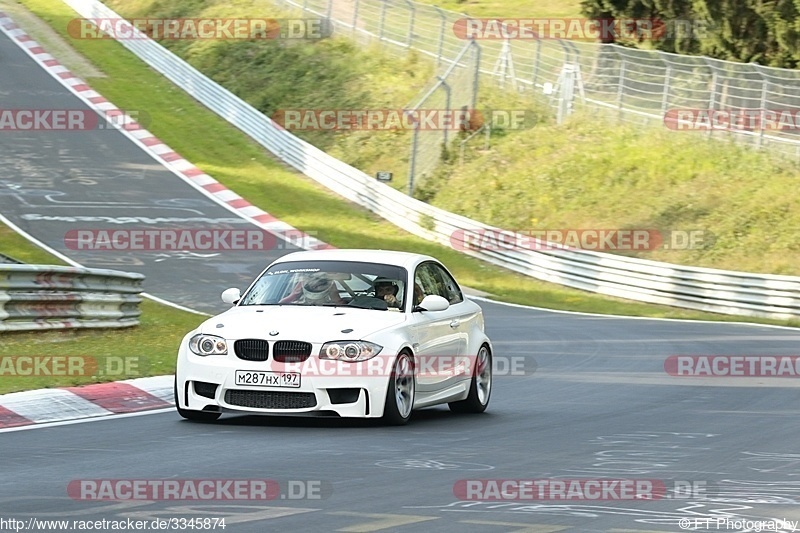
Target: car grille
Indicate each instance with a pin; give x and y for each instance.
(291, 351)
(251, 349)
(270, 399)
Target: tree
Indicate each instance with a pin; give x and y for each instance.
(761, 31)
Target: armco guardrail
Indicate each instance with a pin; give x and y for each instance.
(720, 291)
(34, 297)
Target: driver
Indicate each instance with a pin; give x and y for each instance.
(386, 290)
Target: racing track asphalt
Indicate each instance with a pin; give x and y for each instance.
(57, 181)
(599, 403)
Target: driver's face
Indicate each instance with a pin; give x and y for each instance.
(384, 289)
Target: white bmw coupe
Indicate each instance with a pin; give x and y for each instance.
(349, 333)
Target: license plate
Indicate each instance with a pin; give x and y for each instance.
(268, 379)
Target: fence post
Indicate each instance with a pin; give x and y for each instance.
(476, 80)
(536, 63)
(412, 163)
(620, 89)
(355, 15)
(763, 105)
(566, 92)
(382, 23)
(412, 18)
(712, 100)
(442, 30)
(665, 99)
(329, 11)
(447, 104)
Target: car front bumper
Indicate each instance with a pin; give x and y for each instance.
(340, 389)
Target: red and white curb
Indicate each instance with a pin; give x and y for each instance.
(89, 401)
(123, 397)
(154, 146)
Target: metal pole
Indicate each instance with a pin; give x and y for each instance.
(412, 164)
(383, 19)
(355, 16)
(620, 91)
(476, 79)
(763, 104)
(665, 98)
(447, 103)
(536, 63)
(712, 102)
(441, 35)
(413, 10)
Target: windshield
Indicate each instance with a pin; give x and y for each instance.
(334, 283)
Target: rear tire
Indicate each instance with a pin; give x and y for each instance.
(194, 416)
(401, 391)
(480, 389)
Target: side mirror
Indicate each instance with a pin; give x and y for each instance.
(231, 296)
(432, 302)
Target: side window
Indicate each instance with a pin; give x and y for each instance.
(430, 278)
(424, 284)
(448, 286)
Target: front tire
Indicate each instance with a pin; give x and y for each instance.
(195, 416)
(480, 389)
(401, 391)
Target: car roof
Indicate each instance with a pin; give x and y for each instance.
(387, 257)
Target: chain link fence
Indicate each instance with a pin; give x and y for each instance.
(453, 99)
(638, 86)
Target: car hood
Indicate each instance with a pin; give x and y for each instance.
(311, 324)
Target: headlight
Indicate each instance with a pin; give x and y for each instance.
(350, 351)
(208, 345)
